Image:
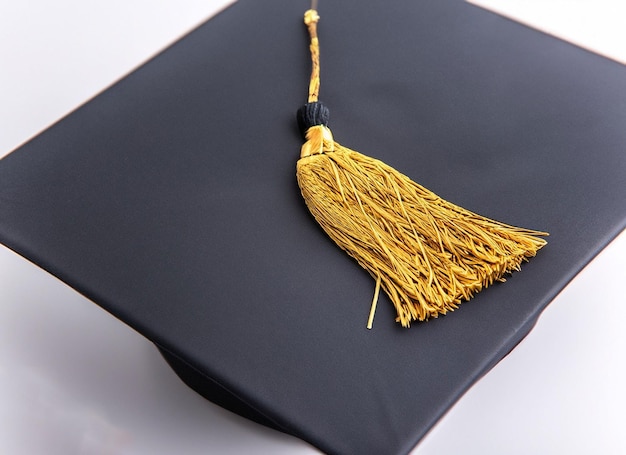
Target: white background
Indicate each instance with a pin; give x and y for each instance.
(74, 380)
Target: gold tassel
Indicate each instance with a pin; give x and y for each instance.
(427, 254)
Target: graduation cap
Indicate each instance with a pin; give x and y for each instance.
(171, 201)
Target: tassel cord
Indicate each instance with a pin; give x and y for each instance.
(311, 19)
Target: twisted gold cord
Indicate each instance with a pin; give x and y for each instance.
(310, 19)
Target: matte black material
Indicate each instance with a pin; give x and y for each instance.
(166, 206)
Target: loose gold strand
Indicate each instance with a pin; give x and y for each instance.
(370, 320)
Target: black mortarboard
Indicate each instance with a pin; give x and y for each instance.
(170, 200)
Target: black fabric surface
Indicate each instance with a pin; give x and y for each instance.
(170, 200)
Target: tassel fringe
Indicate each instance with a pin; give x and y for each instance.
(428, 254)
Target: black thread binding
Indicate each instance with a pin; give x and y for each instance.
(312, 114)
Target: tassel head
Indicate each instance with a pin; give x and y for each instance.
(428, 254)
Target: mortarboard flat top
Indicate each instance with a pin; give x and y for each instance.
(170, 200)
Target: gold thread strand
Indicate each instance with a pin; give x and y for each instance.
(370, 320)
